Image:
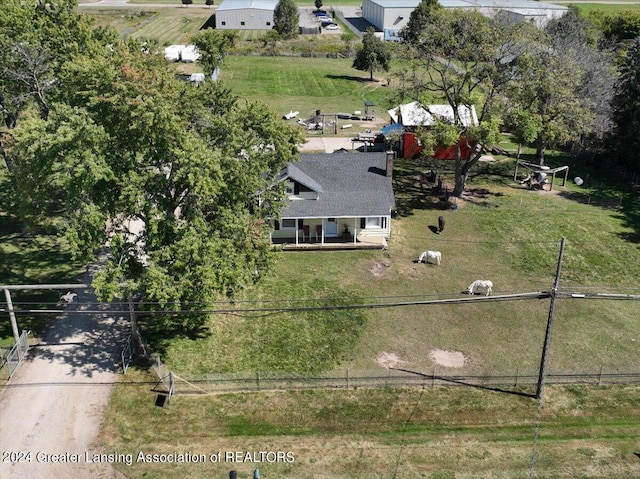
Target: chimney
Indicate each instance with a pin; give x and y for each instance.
(389, 167)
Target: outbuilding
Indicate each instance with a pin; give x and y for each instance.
(245, 14)
(391, 16)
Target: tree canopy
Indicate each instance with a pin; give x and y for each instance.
(466, 59)
(372, 55)
(213, 46)
(36, 40)
(286, 19)
(626, 108)
(176, 180)
(418, 20)
(564, 88)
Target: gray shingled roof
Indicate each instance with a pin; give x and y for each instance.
(294, 173)
(353, 184)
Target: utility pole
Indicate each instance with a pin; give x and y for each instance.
(12, 316)
(10, 310)
(547, 337)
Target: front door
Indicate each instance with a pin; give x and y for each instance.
(331, 227)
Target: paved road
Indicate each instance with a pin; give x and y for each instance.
(55, 402)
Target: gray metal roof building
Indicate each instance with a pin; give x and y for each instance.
(393, 15)
(245, 14)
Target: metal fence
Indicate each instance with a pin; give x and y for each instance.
(126, 354)
(14, 358)
(353, 379)
(165, 376)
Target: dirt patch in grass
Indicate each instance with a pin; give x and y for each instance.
(379, 267)
(448, 358)
(389, 360)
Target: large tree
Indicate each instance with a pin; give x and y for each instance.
(626, 108)
(168, 175)
(467, 60)
(36, 39)
(420, 17)
(213, 46)
(286, 19)
(564, 92)
(372, 55)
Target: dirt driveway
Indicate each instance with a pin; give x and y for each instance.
(50, 413)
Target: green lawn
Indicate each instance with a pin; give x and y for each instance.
(454, 432)
(604, 6)
(500, 232)
(305, 84)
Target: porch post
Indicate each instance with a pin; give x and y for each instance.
(355, 220)
(322, 230)
(297, 231)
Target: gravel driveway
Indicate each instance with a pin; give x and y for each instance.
(50, 413)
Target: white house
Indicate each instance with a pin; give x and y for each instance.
(340, 199)
(245, 14)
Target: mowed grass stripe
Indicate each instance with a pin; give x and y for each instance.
(303, 84)
(168, 28)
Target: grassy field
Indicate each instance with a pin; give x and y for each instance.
(586, 8)
(326, 84)
(500, 232)
(405, 433)
(165, 25)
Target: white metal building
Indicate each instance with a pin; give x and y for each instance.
(390, 16)
(245, 14)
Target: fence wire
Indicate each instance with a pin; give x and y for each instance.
(354, 379)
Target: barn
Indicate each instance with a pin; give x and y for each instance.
(245, 14)
(391, 16)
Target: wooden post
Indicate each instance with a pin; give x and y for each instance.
(347, 378)
(600, 377)
(517, 373)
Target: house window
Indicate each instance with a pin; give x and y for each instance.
(224, 23)
(268, 24)
(288, 225)
(241, 23)
(289, 188)
(372, 222)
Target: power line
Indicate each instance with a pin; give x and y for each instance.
(331, 307)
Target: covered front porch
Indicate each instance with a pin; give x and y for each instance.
(331, 233)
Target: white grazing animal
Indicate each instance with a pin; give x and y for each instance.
(480, 286)
(433, 257)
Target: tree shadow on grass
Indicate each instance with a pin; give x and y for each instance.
(159, 330)
(36, 258)
(351, 78)
(412, 194)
